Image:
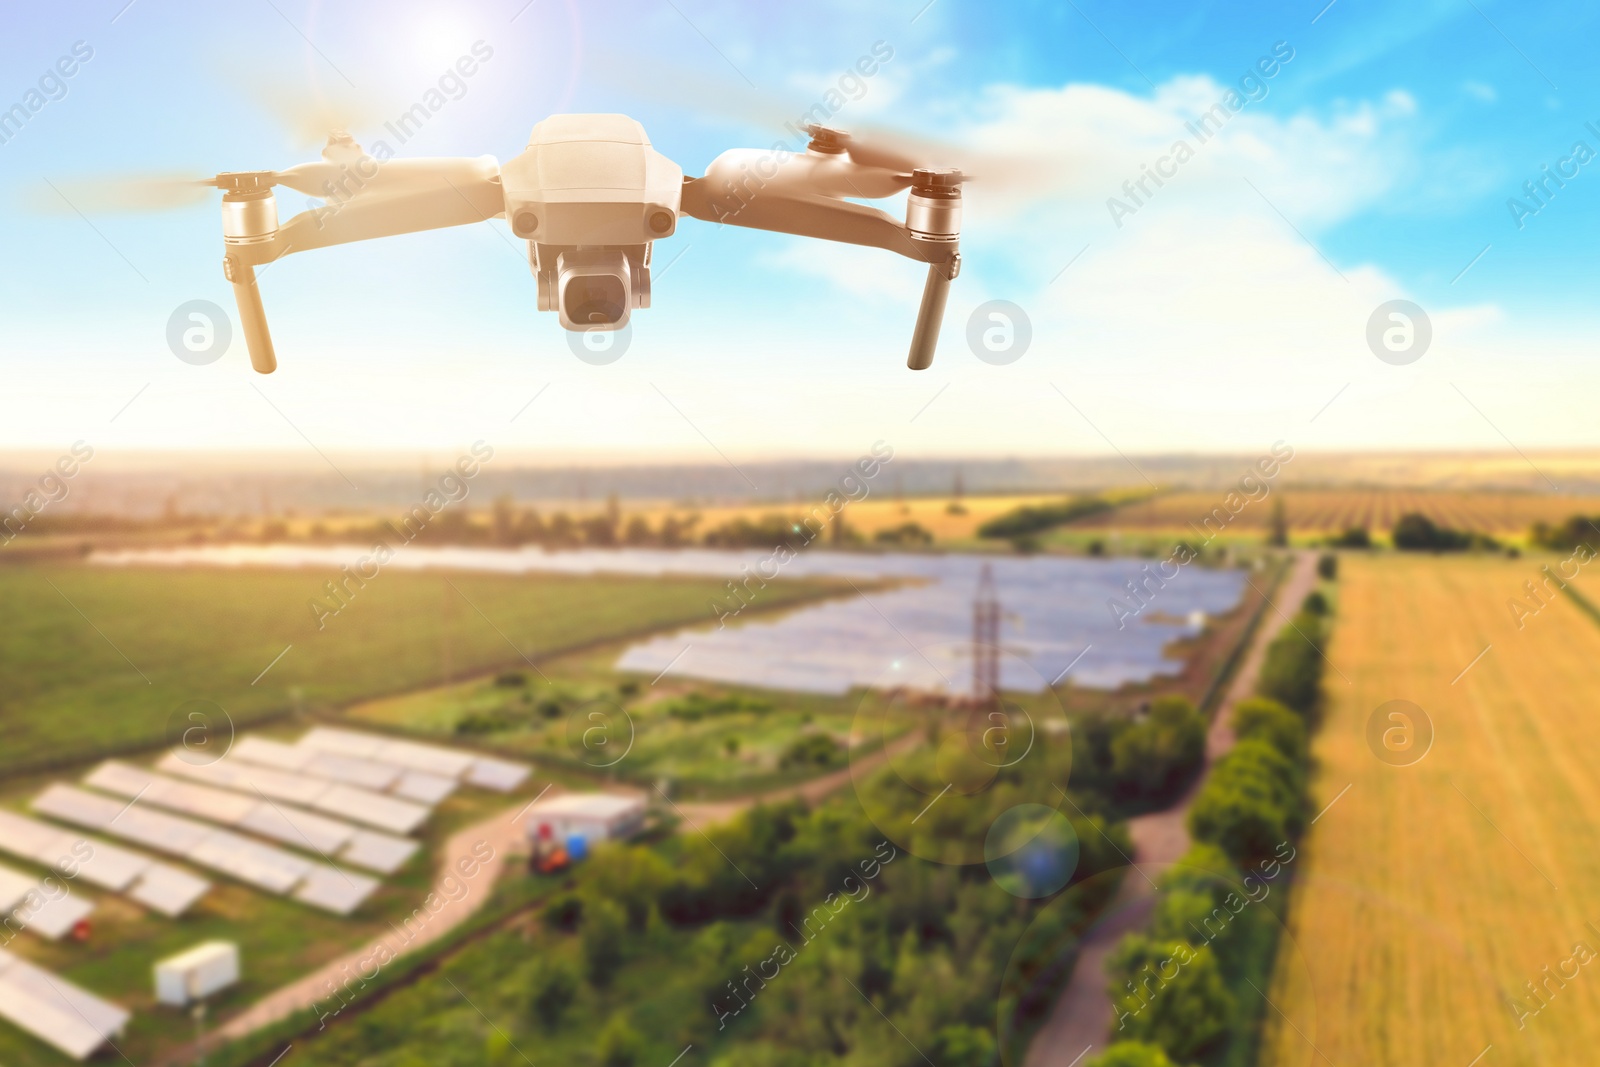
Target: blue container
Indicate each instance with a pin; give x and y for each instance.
(577, 848)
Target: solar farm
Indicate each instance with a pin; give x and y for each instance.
(320, 822)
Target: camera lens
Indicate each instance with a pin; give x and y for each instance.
(595, 299)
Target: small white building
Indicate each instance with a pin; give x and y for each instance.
(593, 816)
(198, 973)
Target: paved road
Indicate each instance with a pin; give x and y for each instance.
(1082, 1016)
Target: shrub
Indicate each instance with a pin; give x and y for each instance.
(604, 929)
(1252, 803)
(810, 750)
(564, 912)
(1354, 537)
(1292, 670)
(1328, 566)
(1415, 532)
(511, 680)
(1131, 1054)
(1151, 757)
(907, 533)
(1178, 1000)
(553, 988)
(619, 1045)
(1315, 603)
(1270, 721)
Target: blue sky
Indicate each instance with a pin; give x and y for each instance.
(1226, 313)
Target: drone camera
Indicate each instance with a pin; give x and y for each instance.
(594, 289)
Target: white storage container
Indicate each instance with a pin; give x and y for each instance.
(197, 973)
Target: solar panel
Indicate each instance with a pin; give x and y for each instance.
(172, 834)
(14, 888)
(31, 839)
(422, 787)
(352, 770)
(331, 889)
(262, 866)
(213, 805)
(76, 806)
(302, 829)
(410, 755)
(268, 753)
(53, 917)
(246, 778)
(54, 1010)
(110, 867)
(430, 758)
(500, 775)
(372, 809)
(168, 890)
(379, 852)
(343, 742)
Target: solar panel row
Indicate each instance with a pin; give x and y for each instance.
(54, 1010)
(49, 910)
(263, 866)
(154, 884)
(346, 801)
(482, 771)
(337, 767)
(277, 822)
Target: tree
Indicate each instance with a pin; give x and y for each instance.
(1270, 721)
(1328, 566)
(1280, 524)
(1292, 670)
(604, 931)
(1151, 757)
(552, 989)
(619, 1044)
(1171, 995)
(1252, 803)
(1131, 1054)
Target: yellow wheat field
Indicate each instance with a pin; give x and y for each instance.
(1328, 511)
(1430, 894)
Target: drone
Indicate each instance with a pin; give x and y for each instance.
(591, 196)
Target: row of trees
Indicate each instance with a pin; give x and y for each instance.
(1182, 989)
(1142, 762)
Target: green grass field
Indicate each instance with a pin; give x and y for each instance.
(96, 660)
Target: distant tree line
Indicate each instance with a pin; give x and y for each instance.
(1030, 519)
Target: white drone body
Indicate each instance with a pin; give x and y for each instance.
(591, 196)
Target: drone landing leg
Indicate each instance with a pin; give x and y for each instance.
(252, 315)
(931, 314)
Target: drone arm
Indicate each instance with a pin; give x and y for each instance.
(378, 214)
(831, 219)
(814, 215)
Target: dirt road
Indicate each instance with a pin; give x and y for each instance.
(1082, 1017)
(503, 833)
